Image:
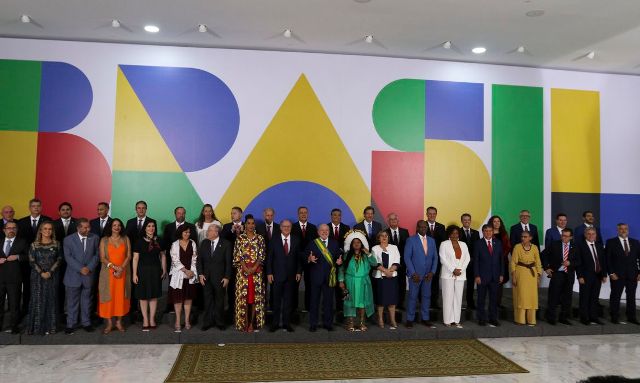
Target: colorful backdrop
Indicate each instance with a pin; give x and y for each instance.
(89, 122)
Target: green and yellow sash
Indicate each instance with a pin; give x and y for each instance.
(327, 256)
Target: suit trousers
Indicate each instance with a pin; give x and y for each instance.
(471, 285)
(589, 299)
(25, 270)
(560, 292)
(281, 304)
(327, 304)
(421, 289)
(78, 300)
(435, 287)
(630, 285)
(12, 293)
(213, 293)
(492, 289)
(452, 290)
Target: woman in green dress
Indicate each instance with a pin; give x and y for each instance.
(354, 280)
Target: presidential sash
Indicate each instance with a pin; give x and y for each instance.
(327, 256)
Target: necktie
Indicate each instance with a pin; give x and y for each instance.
(34, 225)
(626, 247)
(139, 224)
(526, 227)
(595, 258)
(102, 222)
(66, 226)
(468, 234)
(424, 244)
(324, 243)
(84, 244)
(269, 231)
(336, 232)
(565, 254)
(369, 231)
(304, 230)
(431, 228)
(490, 247)
(395, 237)
(286, 246)
(7, 249)
(213, 247)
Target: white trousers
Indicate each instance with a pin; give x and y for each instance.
(451, 299)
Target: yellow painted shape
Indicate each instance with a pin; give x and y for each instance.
(138, 146)
(575, 141)
(300, 144)
(19, 153)
(456, 181)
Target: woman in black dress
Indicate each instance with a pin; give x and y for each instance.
(45, 258)
(182, 287)
(149, 269)
(386, 277)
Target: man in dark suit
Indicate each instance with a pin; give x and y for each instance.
(368, 226)
(214, 266)
(8, 215)
(337, 231)
(559, 262)
(623, 255)
(135, 230)
(27, 230)
(421, 258)
(13, 251)
(323, 257)
(62, 227)
(589, 220)
(488, 272)
(437, 231)
(268, 228)
(555, 233)
(230, 231)
(469, 236)
(306, 232)
(398, 236)
(524, 225)
(81, 255)
(283, 269)
(103, 220)
(591, 275)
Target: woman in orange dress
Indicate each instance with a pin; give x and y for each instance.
(114, 288)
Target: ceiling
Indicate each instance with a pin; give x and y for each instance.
(560, 38)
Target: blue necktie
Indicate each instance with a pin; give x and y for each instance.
(7, 249)
(369, 229)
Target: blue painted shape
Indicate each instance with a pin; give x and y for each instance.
(286, 197)
(454, 111)
(65, 97)
(194, 111)
(616, 208)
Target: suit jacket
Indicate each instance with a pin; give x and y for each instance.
(228, 234)
(552, 234)
(319, 271)
(471, 242)
(587, 267)
(10, 271)
(132, 229)
(624, 266)
(578, 234)
(439, 233)
(76, 258)
(416, 260)
(376, 227)
(450, 262)
(283, 266)
(261, 228)
(25, 231)
(516, 232)
(215, 266)
(342, 230)
(552, 257)
(95, 226)
(58, 228)
(403, 235)
(311, 233)
(488, 266)
(169, 234)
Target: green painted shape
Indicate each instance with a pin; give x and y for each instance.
(20, 95)
(399, 114)
(517, 179)
(163, 192)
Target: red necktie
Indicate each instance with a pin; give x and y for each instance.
(286, 247)
(304, 230)
(595, 258)
(626, 247)
(490, 247)
(336, 233)
(565, 254)
(269, 231)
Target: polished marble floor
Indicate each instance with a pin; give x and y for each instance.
(549, 359)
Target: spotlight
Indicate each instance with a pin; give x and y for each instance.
(202, 28)
(115, 23)
(368, 39)
(446, 45)
(591, 55)
(520, 49)
(151, 29)
(479, 50)
(287, 33)
(25, 19)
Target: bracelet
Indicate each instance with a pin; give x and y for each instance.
(109, 265)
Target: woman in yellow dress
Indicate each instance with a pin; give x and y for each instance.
(525, 277)
(248, 258)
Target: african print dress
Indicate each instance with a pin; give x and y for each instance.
(250, 289)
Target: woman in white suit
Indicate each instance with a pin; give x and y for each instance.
(454, 258)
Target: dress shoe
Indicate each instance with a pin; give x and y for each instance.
(494, 323)
(552, 322)
(565, 322)
(329, 328)
(15, 330)
(585, 322)
(634, 321)
(313, 329)
(597, 321)
(482, 323)
(69, 330)
(428, 323)
(289, 328)
(273, 328)
(222, 327)
(615, 321)
(409, 324)
(206, 327)
(88, 328)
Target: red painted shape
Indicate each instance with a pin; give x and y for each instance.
(69, 168)
(397, 185)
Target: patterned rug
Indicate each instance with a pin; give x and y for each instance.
(337, 361)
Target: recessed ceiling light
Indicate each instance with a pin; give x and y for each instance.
(115, 23)
(151, 29)
(287, 33)
(368, 39)
(535, 13)
(520, 49)
(362, 1)
(446, 45)
(202, 28)
(591, 55)
(479, 50)
(25, 19)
